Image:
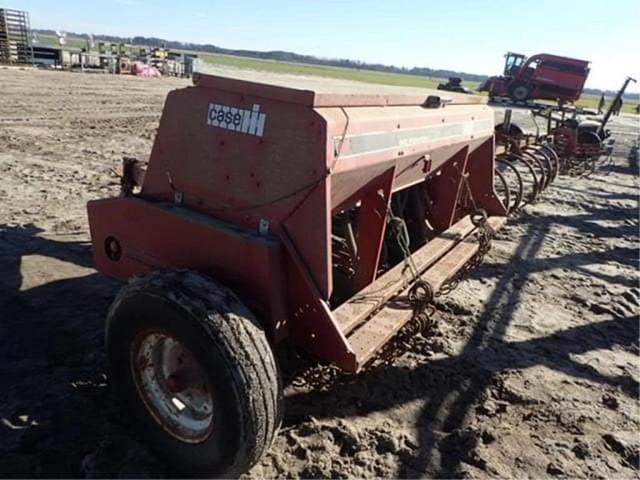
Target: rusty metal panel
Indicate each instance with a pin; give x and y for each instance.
(379, 329)
(274, 171)
(157, 236)
(313, 326)
(351, 313)
(278, 162)
(328, 92)
(363, 142)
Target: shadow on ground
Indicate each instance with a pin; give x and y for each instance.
(452, 387)
(55, 406)
(56, 409)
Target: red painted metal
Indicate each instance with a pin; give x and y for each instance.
(445, 189)
(547, 77)
(244, 180)
(153, 236)
(314, 327)
(567, 138)
(372, 223)
(480, 167)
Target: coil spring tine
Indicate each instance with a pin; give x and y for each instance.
(555, 160)
(517, 201)
(538, 167)
(547, 162)
(507, 194)
(552, 162)
(562, 160)
(529, 167)
(531, 154)
(535, 159)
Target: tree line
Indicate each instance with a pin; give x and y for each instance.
(297, 58)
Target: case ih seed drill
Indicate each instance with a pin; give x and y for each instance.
(268, 215)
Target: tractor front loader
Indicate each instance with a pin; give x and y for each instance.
(321, 218)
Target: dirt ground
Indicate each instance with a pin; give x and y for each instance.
(532, 370)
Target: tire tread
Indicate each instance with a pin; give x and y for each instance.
(236, 333)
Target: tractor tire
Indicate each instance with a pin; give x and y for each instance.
(520, 92)
(194, 368)
(588, 138)
(514, 129)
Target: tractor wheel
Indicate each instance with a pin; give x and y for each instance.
(588, 138)
(514, 129)
(196, 372)
(520, 92)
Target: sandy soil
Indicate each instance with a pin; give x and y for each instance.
(532, 370)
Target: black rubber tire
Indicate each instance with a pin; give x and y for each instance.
(514, 129)
(520, 92)
(232, 348)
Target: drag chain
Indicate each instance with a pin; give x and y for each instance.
(421, 296)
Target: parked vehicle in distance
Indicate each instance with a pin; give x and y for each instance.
(540, 77)
(454, 85)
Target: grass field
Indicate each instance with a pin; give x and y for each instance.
(591, 101)
(369, 76)
(70, 42)
(293, 68)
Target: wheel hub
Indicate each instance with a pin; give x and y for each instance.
(173, 386)
(520, 93)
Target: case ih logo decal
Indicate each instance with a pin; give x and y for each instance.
(237, 119)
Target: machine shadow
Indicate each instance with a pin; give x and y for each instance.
(57, 328)
(587, 223)
(19, 241)
(54, 408)
(628, 169)
(452, 386)
(607, 181)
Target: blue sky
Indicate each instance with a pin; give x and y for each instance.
(461, 35)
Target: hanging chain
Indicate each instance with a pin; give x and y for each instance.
(421, 293)
(484, 233)
(421, 296)
(398, 228)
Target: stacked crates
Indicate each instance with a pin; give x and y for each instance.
(15, 33)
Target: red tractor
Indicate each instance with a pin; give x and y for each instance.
(541, 77)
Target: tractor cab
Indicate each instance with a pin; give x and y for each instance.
(513, 63)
